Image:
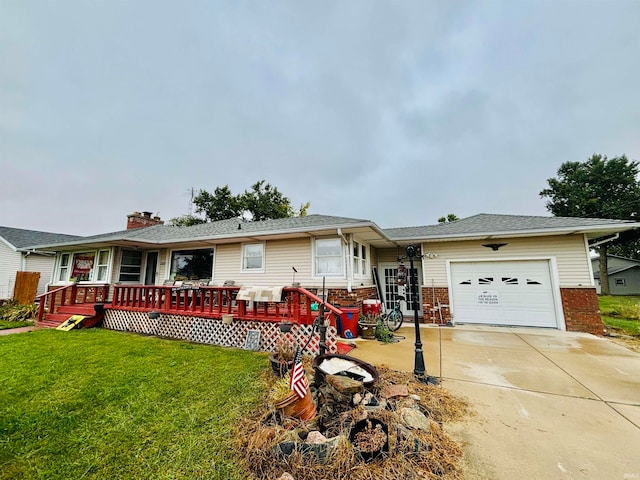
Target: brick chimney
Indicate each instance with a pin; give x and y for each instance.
(140, 220)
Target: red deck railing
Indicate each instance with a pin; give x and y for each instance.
(213, 302)
(73, 294)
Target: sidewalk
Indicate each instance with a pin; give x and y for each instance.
(9, 331)
(548, 404)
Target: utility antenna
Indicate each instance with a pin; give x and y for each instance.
(190, 208)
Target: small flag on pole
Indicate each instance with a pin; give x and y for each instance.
(298, 381)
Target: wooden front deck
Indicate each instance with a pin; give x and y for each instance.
(297, 305)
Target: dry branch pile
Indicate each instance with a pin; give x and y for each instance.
(273, 445)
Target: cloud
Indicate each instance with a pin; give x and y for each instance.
(396, 112)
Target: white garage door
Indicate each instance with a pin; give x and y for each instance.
(503, 293)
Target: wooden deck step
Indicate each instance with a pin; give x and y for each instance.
(81, 309)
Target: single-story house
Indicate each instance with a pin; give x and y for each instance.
(623, 273)
(485, 269)
(17, 256)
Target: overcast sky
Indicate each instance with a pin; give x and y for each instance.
(398, 112)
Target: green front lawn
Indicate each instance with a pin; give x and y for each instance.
(621, 313)
(102, 404)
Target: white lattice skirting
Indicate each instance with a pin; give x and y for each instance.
(215, 332)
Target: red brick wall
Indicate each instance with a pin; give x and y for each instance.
(430, 311)
(581, 310)
(580, 306)
(338, 296)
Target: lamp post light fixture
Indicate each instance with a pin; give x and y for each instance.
(419, 369)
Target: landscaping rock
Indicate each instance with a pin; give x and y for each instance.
(316, 437)
(345, 385)
(415, 419)
(357, 398)
(286, 476)
(391, 391)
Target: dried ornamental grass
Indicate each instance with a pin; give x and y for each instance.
(425, 455)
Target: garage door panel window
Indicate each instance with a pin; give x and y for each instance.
(533, 282)
(510, 280)
(485, 281)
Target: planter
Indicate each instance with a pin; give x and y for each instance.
(279, 367)
(285, 327)
(370, 438)
(294, 406)
(320, 374)
(368, 330)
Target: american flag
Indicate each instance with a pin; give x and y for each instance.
(298, 381)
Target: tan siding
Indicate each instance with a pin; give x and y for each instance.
(568, 250)
(280, 257)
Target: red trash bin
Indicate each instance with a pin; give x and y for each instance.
(349, 322)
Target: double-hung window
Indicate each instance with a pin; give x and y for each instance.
(253, 257)
(359, 258)
(63, 271)
(102, 266)
(328, 257)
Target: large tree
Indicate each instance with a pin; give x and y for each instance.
(262, 202)
(601, 187)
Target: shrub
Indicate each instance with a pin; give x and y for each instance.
(12, 311)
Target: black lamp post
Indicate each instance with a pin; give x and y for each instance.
(419, 369)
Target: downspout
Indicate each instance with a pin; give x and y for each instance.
(348, 260)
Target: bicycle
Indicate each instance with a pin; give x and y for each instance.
(393, 318)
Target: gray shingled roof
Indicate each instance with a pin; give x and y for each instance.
(478, 225)
(220, 229)
(23, 239)
(491, 224)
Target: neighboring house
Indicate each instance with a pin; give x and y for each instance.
(623, 273)
(486, 269)
(16, 255)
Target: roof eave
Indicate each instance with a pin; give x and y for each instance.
(599, 229)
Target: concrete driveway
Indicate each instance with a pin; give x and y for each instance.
(547, 404)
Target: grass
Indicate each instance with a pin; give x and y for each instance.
(103, 404)
(4, 325)
(621, 313)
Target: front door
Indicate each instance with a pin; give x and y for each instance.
(391, 289)
(151, 268)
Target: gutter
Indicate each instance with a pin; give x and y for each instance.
(605, 240)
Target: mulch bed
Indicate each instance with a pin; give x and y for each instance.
(419, 454)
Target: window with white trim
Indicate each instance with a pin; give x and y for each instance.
(621, 282)
(359, 258)
(328, 257)
(253, 257)
(131, 266)
(193, 264)
(102, 266)
(63, 272)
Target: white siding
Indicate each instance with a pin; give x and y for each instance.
(44, 265)
(9, 265)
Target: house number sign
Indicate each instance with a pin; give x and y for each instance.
(252, 341)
